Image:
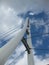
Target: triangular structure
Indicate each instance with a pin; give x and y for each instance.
(7, 49)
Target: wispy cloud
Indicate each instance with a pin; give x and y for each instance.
(41, 62)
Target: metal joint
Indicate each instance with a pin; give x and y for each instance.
(26, 45)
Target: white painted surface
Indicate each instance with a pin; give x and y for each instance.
(7, 49)
(30, 56)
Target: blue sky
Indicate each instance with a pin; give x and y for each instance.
(39, 41)
(13, 12)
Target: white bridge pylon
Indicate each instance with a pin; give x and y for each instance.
(8, 49)
(30, 57)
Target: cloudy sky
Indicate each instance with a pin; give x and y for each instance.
(13, 12)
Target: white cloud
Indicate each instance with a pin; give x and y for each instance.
(39, 42)
(25, 5)
(8, 19)
(38, 61)
(46, 29)
(31, 13)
